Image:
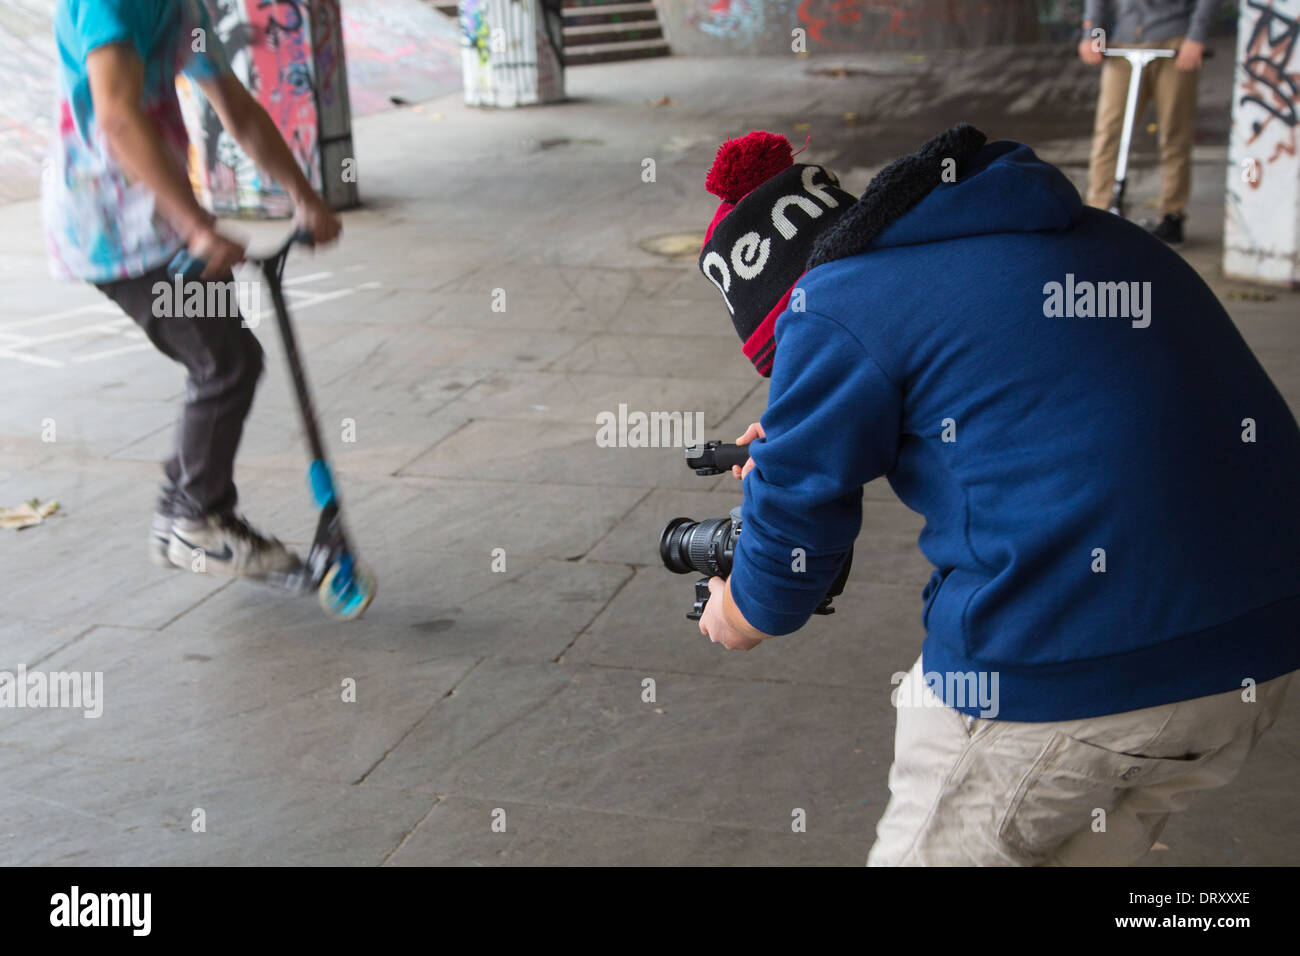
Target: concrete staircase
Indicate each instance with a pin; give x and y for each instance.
(601, 31)
(596, 31)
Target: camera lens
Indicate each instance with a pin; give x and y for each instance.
(670, 545)
(704, 547)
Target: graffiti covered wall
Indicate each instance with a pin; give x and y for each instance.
(827, 26)
(1262, 218)
(289, 54)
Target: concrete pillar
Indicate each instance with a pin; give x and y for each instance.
(1261, 239)
(512, 51)
(290, 55)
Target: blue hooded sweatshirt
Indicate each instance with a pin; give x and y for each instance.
(1111, 489)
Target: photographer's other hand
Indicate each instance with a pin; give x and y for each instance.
(722, 622)
(755, 430)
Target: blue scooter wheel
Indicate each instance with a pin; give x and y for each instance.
(347, 589)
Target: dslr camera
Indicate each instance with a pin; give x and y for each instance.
(708, 547)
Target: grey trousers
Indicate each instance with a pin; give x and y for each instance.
(223, 361)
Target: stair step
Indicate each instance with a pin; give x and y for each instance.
(602, 9)
(601, 37)
(647, 47)
(628, 26)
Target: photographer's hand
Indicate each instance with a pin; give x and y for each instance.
(722, 622)
(755, 430)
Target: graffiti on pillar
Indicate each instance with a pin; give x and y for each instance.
(284, 66)
(1261, 241)
(269, 43)
(473, 19)
(511, 51)
(1270, 93)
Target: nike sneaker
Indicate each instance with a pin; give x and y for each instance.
(226, 544)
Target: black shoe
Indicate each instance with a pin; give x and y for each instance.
(1170, 229)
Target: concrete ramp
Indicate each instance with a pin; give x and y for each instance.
(401, 49)
(26, 94)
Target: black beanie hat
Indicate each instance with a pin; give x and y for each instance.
(757, 247)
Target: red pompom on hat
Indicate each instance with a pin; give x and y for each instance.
(747, 162)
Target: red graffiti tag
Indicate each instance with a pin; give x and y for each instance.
(900, 20)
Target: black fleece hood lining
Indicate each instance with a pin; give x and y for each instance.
(893, 191)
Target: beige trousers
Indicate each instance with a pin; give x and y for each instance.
(966, 791)
(1174, 92)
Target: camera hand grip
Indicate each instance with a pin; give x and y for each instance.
(727, 455)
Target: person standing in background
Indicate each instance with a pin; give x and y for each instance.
(1180, 25)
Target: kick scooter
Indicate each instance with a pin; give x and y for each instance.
(345, 586)
(1137, 59)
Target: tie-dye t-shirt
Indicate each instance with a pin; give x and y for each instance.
(100, 224)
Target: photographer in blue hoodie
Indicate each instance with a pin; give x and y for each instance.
(1107, 475)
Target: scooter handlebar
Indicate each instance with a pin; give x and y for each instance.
(189, 266)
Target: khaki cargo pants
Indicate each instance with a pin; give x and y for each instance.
(1174, 92)
(1097, 792)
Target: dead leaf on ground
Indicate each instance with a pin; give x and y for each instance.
(27, 515)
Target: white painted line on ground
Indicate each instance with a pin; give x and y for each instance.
(309, 299)
(102, 308)
(31, 359)
(311, 277)
(18, 346)
(97, 356)
(85, 331)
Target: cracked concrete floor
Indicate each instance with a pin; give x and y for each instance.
(516, 695)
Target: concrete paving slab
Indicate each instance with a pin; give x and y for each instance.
(583, 737)
(89, 812)
(27, 644)
(358, 441)
(459, 832)
(201, 690)
(579, 399)
(430, 606)
(645, 629)
(408, 352)
(608, 353)
(561, 453)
